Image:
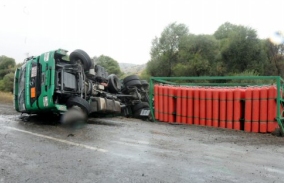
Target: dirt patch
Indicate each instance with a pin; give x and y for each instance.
(6, 98)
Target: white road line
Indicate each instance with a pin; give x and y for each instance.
(275, 170)
(58, 140)
(135, 141)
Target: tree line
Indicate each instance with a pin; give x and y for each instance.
(7, 69)
(231, 50)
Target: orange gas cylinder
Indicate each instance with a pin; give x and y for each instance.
(243, 93)
(166, 103)
(248, 108)
(196, 106)
(223, 108)
(171, 108)
(215, 102)
(263, 110)
(156, 101)
(202, 106)
(161, 103)
(255, 110)
(243, 97)
(190, 106)
(209, 107)
(184, 105)
(272, 94)
(230, 108)
(237, 109)
(179, 107)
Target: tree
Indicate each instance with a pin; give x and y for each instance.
(275, 57)
(225, 30)
(2, 85)
(8, 81)
(158, 66)
(6, 65)
(196, 55)
(196, 66)
(144, 75)
(108, 63)
(240, 48)
(164, 51)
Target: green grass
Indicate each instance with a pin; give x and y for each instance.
(6, 97)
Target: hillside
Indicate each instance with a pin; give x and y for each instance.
(129, 68)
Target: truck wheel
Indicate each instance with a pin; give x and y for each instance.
(130, 78)
(139, 106)
(78, 101)
(82, 57)
(133, 83)
(114, 85)
(144, 84)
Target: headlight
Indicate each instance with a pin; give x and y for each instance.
(45, 101)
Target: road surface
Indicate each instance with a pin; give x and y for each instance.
(130, 150)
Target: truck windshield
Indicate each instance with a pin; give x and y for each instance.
(21, 90)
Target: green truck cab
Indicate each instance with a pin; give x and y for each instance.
(55, 82)
(34, 84)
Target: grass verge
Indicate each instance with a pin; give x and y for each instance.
(6, 97)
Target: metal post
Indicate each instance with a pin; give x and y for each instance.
(278, 100)
(151, 98)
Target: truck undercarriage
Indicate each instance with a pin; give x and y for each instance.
(55, 82)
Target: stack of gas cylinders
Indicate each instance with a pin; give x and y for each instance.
(252, 109)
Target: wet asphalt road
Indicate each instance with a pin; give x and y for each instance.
(130, 150)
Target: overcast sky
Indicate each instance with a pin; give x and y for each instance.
(121, 29)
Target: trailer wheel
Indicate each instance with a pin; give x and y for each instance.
(144, 84)
(114, 85)
(139, 106)
(78, 101)
(82, 57)
(133, 83)
(130, 78)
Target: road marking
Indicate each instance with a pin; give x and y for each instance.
(275, 170)
(134, 141)
(58, 140)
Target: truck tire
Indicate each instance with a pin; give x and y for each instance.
(114, 85)
(144, 84)
(83, 57)
(139, 106)
(133, 83)
(130, 78)
(78, 101)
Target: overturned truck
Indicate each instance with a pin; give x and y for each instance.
(56, 82)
